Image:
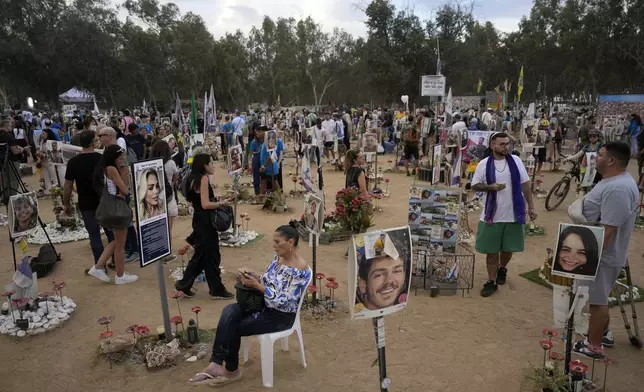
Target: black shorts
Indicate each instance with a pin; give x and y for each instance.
(541, 155)
(264, 176)
(328, 144)
(411, 151)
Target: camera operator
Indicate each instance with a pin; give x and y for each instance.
(9, 184)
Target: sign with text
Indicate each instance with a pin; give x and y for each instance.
(432, 86)
(151, 211)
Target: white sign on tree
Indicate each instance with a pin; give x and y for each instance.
(432, 86)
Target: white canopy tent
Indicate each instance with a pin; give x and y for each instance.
(76, 96)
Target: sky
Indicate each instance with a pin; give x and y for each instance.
(222, 16)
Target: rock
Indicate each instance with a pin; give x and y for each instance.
(10, 325)
(31, 332)
(36, 318)
(188, 355)
(54, 322)
(38, 325)
(41, 312)
(192, 359)
(39, 330)
(201, 354)
(21, 334)
(51, 316)
(42, 305)
(3, 330)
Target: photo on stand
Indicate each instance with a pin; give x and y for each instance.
(578, 251)
(196, 140)
(54, 153)
(370, 141)
(433, 216)
(234, 159)
(172, 143)
(436, 164)
(69, 151)
(150, 192)
(312, 205)
(271, 140)
(23, 214)
(380, 272)
(478, 144)
(590, 170)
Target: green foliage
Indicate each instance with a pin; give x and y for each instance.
(567, 47)
(353, 213)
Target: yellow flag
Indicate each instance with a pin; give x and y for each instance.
(478, 87)
(510, 87)
(520, 84)
(498, 89)
(505, 85)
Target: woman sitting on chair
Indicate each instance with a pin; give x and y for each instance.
(283, 285)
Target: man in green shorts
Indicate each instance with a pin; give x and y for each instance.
(505, 182)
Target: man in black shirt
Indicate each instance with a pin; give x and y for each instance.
(80, 170)
(135, 141)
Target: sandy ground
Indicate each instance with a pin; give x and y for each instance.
(437, 344)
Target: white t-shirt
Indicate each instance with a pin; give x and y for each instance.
(504, 209)
(19, 133)
(170, 169)
(319, 135)
(329, 128)
(121, 142)
(238, 125)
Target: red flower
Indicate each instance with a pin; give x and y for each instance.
(555, 356)
(386, 180)
(329, 285)
(20, 302)
(319, 276)
(176, 320)
(578, 367)
(184, 250)
(176, 294)
(607, 361)
(104, 320)
(402, 298)
(551, 333)
(8, 293)
(312, 289)
(196, 309)
(106, 334)
(60, 285)
(330, 278)
(142, 330)
(132, 328)
(545, 344)
(46, 294)
(334, 285)
(247, 218)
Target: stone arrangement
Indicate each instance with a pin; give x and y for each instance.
(50, 314)
(242, 238)
(58, 234)
(4, 220)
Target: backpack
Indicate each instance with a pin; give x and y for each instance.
(183, 180)
(168, 189)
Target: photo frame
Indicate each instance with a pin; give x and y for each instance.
(371, 141)
(436, 164)
(271, 141)
(234, 159)
(433, 217)
(69, 151)
(172, 143)
(578, 251)
(591, 169)
(307, 137)
(479, 141)
(312, 208)
(22, 214)
(54, 153)
(379, 272)
(151, 211)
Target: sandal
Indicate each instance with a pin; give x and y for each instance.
(220, 381)
(207, 379)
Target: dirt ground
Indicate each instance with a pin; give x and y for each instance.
(446, 344)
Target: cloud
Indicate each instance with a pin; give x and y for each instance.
(227, 16)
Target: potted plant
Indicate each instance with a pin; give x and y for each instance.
(351, 211)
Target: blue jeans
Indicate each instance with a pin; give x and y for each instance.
(634, 149)
(255, 168)
(131, 242)
(234, 323)
(94, 231)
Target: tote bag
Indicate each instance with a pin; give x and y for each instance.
(113, 212)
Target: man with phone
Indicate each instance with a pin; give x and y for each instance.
(504, 180)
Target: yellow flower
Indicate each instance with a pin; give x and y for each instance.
(357, 308)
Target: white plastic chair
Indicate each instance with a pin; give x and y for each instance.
(267, 341)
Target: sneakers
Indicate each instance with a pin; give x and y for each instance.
(187, 293)
(131, 257)
(583, 348)
(169, 258)
(98, 274)
(488, 289)
(126, 278)
(224, 295)
(501, 275)
(608, 340)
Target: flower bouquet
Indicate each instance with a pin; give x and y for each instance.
(353, 213)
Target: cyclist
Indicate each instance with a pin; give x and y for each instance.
(593, 145)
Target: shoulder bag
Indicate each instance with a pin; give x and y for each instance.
(113, 212)
(250, 299)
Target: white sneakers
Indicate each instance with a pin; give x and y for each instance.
(100, 274)
(126, 278)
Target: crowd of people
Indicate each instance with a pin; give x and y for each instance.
(500, 176)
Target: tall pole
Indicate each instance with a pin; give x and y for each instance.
(164, 301)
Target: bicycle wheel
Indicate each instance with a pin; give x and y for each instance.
(557, 194)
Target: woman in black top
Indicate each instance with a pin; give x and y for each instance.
(204, 238)
(355, 177)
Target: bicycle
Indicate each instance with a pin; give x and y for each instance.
(560, 190)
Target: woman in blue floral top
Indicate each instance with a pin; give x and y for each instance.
(283, 284)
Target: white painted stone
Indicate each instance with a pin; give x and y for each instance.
(39, 330)
(192, 359)
(21, 334)
(41, 312)
(51, 316)
(31, 331)
(36, 318)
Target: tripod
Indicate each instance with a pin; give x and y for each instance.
(6, 190)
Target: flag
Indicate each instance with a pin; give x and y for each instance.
(479, 86)
(449, 103)
(193, 114)
(206, 113)
(520, 84)
(505, 85)
(510, 87)
(438, 66)
(96, 111)
(498, 89)
(278, 101)
(213, 106)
